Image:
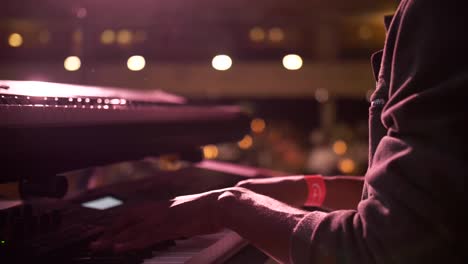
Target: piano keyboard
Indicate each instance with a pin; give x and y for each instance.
(213, 248)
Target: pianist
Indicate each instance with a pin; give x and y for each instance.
(413, 203)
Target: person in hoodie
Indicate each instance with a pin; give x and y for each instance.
(409, 207)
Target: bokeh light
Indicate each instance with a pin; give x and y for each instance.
(81, 12)
(246, 142)
(292, 62)
(347, 166)
(340, 147)
(72, 63)
(136, 63)
(15, 40)
(257, 34)
(124, 37)
(276, 34)
(258, 125)
(210, 152)
(221, 62)
(107, 37)
(140, 36)
(321, 95)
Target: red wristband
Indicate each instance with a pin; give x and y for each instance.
(316, 189)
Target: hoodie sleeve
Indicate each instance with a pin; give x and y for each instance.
(415, 209)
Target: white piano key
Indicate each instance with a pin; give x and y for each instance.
(190, 250)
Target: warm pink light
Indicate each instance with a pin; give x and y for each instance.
(115, 101)
(52, 90)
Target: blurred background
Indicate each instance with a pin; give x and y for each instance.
(301, 68)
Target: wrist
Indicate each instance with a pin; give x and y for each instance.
(343, 192)
(316, 190)
(224, 201)
(265, 222)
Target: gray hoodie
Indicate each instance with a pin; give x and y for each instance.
(414, 201)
